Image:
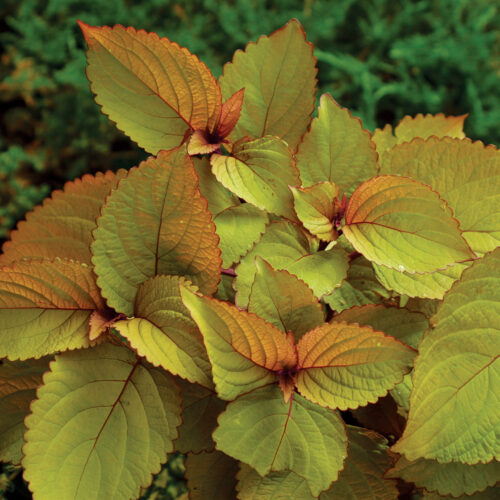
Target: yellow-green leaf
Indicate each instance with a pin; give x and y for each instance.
(453, 479)
(245, 351)
(336, 148)
(285, 301)
(155, 222)
(164, 333)
(18, 383)
(344, 366)
(315, 208)
(211, 475)
(454, 405)
(62, 226)
(260, 172)
(278, 74)
(263, 431)
(45, 307)
(403, 224)
(103, 423)
(154, 90)
(401, 324)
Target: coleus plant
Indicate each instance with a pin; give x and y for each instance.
(280, 298)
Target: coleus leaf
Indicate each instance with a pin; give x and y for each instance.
(453, 479)
(487, 494)
(260, 172)
(45, 307)
(163, 331)
(101, 426)
(154, 90)
(245, 350)
(298, 436)
(396, 322)
(285, 301)
(360, 287)
(278, 74)
(316, 209)
(62, 226)
(336, 148)
(421, 126)
(18, 383)
(285, 246)
(401, 223)
(211, 475)
(344, 366)
(155, 222)
(200, 409)
(453, 414)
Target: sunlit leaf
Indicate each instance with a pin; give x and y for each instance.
(245, 350)
(154, 223)
(453, 479)
(315, 208)
(18, 383)
(285, 246)
(268, 434)
(200, 409)
(211, 475)
(336, 148)
(466, 174)
(154, 90)
(384, 139)
(45, 307)
(278, 74)
(260, 172)
(62, 226)
(363, 475)
(401, 324)
(401, 223)
(101, 426)
(344, 365)
(454, 413)
(282, 299)
(360, 287)
(163, 331)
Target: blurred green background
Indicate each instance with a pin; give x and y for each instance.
(383, 59)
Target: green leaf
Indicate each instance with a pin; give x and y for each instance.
(103, 423)
(401, 324)
(454, 413)
(260, 172)
(18, 383)
(466, 174)
(402, 224)
(211, 475)
(487, 494)
(260, 429)
(363, 475)
(315, 208)
(200, 409)
(155, 91)
(164, 332)
(359, 288)
(430, 286)
(285, 301)
(45, 307)
(401, 395)
(453, 479)
(238, 228)
(155, 222)
(245, 350)
(336, 149)
(344, 365)
(225, 290)
(285, 246)
(62, 226)
(283, 485)
(278, 74)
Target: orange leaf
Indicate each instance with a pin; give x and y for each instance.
(230, 113)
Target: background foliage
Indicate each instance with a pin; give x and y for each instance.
(380, 58)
